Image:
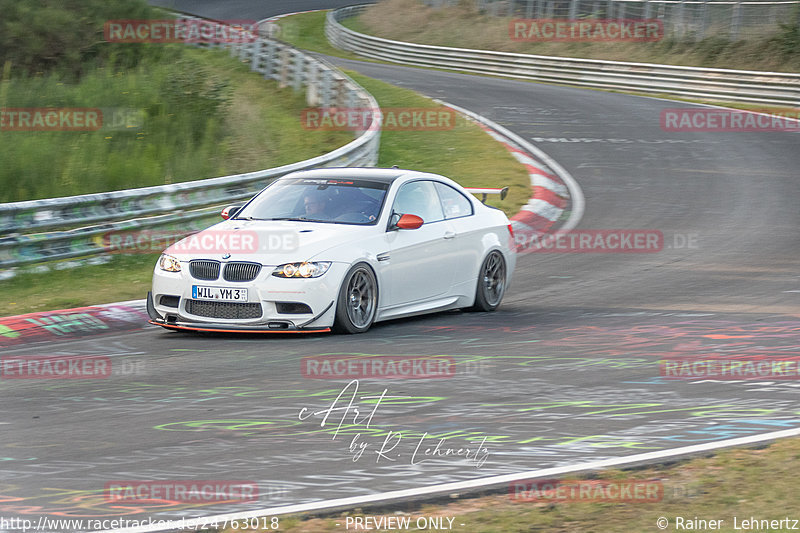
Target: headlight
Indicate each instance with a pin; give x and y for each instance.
(169, 263)
(302, 270)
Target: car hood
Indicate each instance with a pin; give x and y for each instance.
(266, 242)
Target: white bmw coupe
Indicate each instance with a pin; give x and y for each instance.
(337, 249)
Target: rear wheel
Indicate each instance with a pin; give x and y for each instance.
(491, 283)
(358, 300)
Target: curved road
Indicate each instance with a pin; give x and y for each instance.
(565, 372)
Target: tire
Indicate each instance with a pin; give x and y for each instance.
(491, 283)
(357, 304)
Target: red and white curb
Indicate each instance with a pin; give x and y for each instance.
(553, 189)
(63, 324)
(549, 196)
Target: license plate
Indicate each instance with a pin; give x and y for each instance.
(222, 294)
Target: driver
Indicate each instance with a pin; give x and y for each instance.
(316, 203)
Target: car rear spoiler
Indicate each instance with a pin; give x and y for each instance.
(484, 191)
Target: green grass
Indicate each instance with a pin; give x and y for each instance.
(307, 32)
(199, 115)
(124, 277)
(743, 483)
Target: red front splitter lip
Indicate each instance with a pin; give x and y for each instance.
(213, 328)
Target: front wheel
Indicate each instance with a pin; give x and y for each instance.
(491, 283)
(358, 300)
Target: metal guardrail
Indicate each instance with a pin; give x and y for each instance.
(686, 19)
(178, 205)
(773, 88)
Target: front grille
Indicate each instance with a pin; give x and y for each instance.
(205, 270)
(241, 271)
(229, 310)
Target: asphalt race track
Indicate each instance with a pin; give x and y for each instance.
(565, 372)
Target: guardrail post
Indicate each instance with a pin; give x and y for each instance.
(324, 87)
(679, 26)
(340, 91)
(529, 9)
(312, 87)
(703, 20)
(269, 60)
(573, 9)
(647, 9)
(243, 49)
(610, 9)
(736, 20)
(351, 99)
(256, 59)
(283, 67)
(299, 64)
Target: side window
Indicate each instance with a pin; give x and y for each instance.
(454, 203)
(419, 198)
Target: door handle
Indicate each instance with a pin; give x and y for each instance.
(449, 234)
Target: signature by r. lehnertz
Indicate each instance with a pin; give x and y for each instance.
(347, 407)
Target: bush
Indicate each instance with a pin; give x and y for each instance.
(40, 36)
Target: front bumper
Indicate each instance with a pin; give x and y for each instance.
(267, 299)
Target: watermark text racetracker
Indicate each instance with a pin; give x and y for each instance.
(730, 368)
(71, 119)
(730, 120)
(563, 30)
(587, 490)
(56, 367)
(68, 367)
(203, 491)
(392, 118)
(235, 241)
(608, 241)
(377, 367)
(180, 31)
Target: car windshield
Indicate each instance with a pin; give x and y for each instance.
(340, 201)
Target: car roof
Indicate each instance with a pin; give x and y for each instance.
(386, 175)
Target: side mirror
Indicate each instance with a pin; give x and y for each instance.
(230, 211)
(409, 222)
